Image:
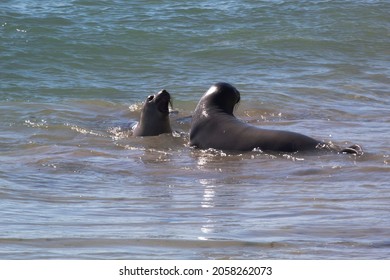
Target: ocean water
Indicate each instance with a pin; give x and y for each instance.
(75, 184)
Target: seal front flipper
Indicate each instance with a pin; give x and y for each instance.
(354, 149)
(154, 119)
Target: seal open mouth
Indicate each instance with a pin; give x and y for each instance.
(163, 100)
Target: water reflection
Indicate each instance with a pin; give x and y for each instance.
(208, 194)
(206, 157)
(207, 202)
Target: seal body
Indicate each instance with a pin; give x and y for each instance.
(214, 126)
(154, 119)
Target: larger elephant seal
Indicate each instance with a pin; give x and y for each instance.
(214, 126)
(154, 118)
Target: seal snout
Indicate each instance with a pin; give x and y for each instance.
(163, 100)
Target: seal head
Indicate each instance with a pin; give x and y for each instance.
(222, 96)
(154, 119)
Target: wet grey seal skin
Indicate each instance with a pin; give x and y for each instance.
(154, 118)
(214, 126)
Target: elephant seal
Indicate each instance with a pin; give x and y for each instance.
(154, 118)
(214, 126)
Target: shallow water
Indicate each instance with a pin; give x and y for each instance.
(74, 183)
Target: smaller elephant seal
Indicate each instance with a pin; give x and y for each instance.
(154, 118)
(214, 126)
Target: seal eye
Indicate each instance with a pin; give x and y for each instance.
(150, 98)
